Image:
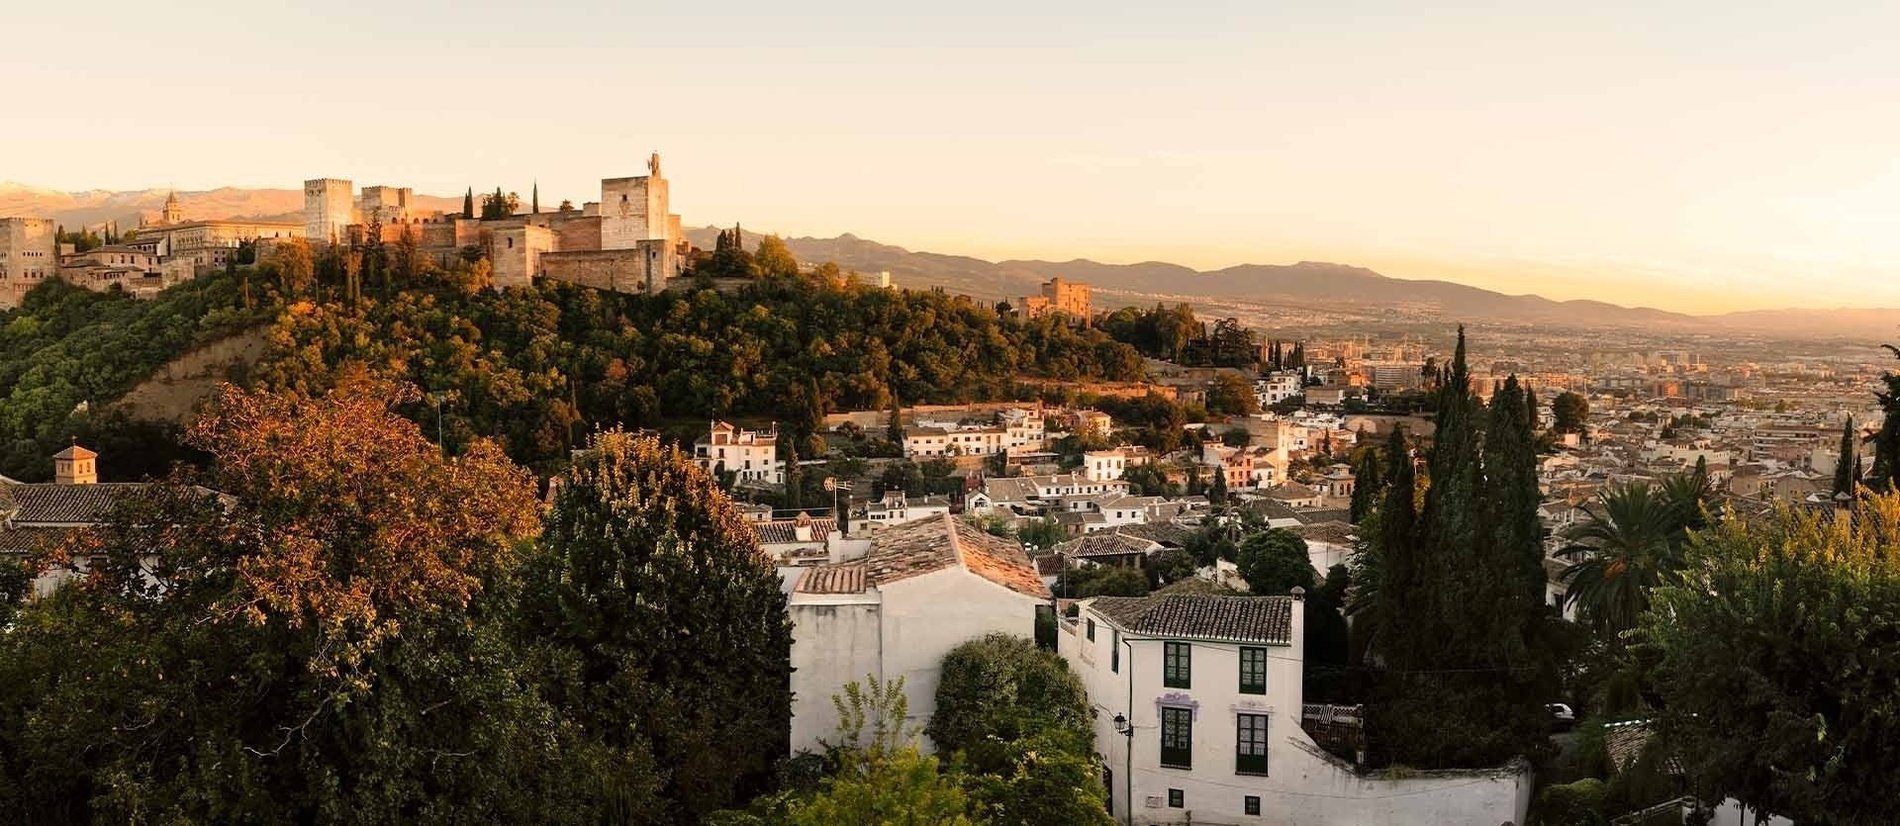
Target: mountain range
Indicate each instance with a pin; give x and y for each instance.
(1303, 284)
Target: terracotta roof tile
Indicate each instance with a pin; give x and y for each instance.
(1234, 619)
(847, 578)
(996, 559)
(69, 504)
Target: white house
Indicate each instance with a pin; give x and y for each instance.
(920, 590)
(751, 454)
(896, 508)
(1102, 465)
(1199, 705)
(1277, 387)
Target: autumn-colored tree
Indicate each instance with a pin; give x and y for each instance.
(331, 638)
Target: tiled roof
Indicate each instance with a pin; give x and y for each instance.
(1336, 533)
(19, 539)
(1624, 742)
(1233, 619)
(925, 546)
(1105, 544)
(847, 578)
(996, 559)
(75, 452)
(45, 503)
(1165, 533)
(782, 531)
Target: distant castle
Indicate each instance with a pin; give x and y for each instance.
(628, 241)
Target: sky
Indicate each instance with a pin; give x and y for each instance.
(1695, 156)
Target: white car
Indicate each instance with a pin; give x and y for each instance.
(1561, 716)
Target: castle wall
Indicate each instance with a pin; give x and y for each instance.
(329, 208)
(515, 254)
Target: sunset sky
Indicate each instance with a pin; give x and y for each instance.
(1708, 157)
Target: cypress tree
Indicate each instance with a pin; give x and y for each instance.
(1844, 477)
(1367, 485)
(1217, 492)
(468, 203)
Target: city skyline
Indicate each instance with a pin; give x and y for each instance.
(1680, 159)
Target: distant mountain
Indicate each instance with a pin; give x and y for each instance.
(1306, 283)
(97, 206)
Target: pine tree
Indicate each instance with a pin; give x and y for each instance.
(1844, 477)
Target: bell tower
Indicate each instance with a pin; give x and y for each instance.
(173, 213)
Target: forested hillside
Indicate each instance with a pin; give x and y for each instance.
(65, 346)
(536, 368)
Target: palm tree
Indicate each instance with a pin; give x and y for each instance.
(1630, 543)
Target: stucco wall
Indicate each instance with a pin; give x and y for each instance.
(926, 616)
(833, 642)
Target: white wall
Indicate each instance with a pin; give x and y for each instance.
(834, 641)
(926, 616)
(901, 629)
(1303, 786)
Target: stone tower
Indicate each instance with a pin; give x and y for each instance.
(173, 213)
(328, 208)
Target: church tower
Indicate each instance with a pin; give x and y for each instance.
(173, 213)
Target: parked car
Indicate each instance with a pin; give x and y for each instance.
(1562, 717)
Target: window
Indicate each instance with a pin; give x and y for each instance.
(1176, 799)
(1175, 664)
(1115, 651)
(1250, 744)
(1091, 630)
(1250, 805)
(1177, 738)
(1253, 670)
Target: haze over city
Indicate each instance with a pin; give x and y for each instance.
(1701, 158)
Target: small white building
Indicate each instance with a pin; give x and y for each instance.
(1278, 387)
(751, 454)
(1199, 709)
(1103, 464)
(896, 508)
(921, 589)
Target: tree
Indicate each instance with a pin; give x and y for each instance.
(1275, 562)
(1629, 544)
(1368, 484)
(1453, 642)
(773, 259)
(1230, 394)
(639, 545)
(332, 636)
(1217, 492)
(1171, 565)
(1149, 479)
(1776, 662)
(1104, 581)
(1572, 411)
(903, 786)
(1000, 689)
(1041, 534)
(1845, 480)
(468, 203)
(498, 206)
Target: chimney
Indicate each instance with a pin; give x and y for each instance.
(76, 466)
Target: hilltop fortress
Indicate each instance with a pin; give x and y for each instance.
(628, 241)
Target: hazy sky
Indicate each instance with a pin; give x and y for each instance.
(1706, 156)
